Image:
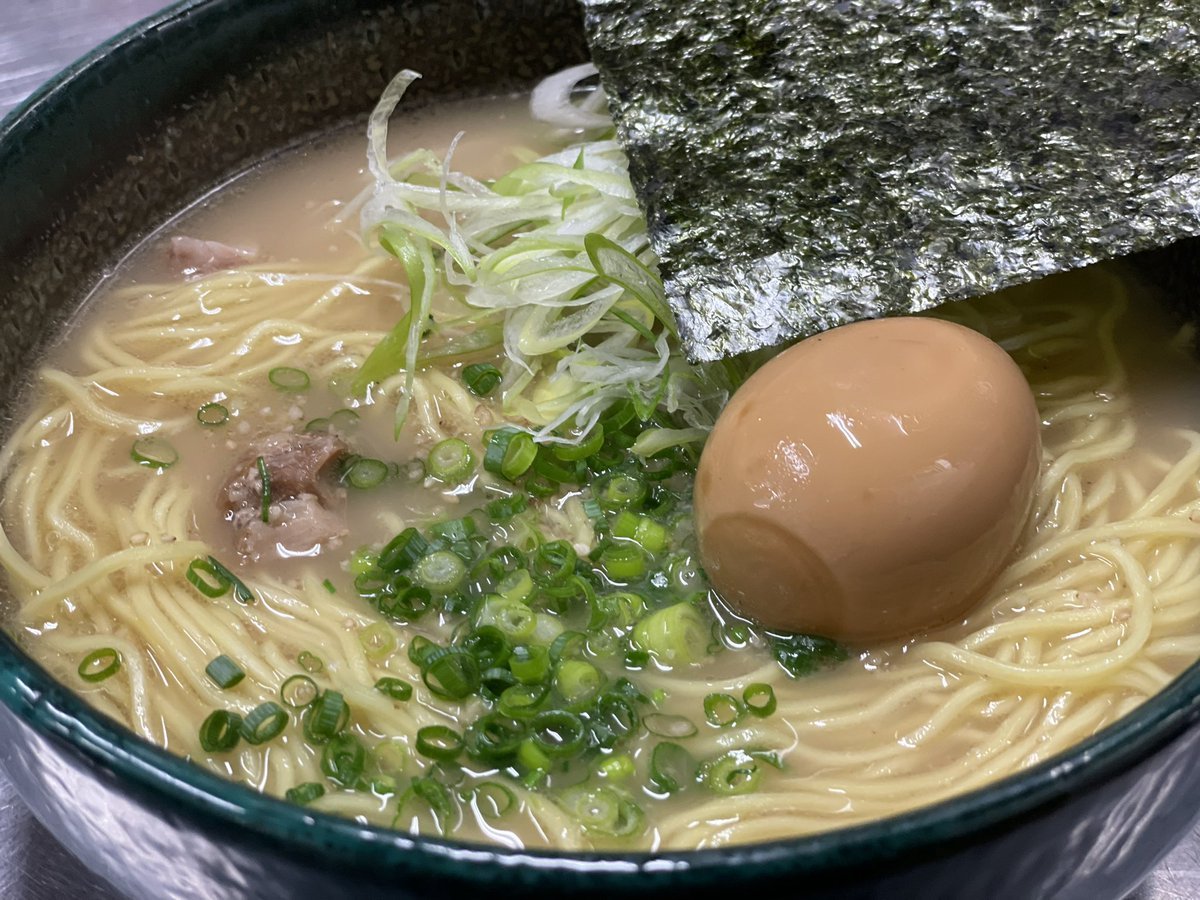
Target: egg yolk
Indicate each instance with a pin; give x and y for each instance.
(870, 482)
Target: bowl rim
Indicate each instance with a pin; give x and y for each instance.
(54, 712)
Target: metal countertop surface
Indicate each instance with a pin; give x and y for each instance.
(37, 38)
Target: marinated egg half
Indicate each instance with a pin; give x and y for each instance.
(869, 482)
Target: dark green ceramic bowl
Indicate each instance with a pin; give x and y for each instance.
(134, 133)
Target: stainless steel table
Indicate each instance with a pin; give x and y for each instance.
(38, 37)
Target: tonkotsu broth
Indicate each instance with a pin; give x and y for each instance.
(1098, 611)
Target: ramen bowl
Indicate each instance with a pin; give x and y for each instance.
(149, 122)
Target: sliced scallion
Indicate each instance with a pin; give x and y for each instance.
(224, 672)
(289, 379)
(212, 414)
(299, 691)
(732, 773)
(304, 794)
(451, 461)
(325, 717)
(310, 662)
(365, 473)
(759, 699)
(451, 673)
(221, 731)
(154, 451)
(396, 688)
(100, 665)
(343, 759)
(439, 742)
(263, 723)
(723, 710)
(672, 768)
(481, 378)
(493, 799)
(441, 571)
(378, 641)
(264, 476)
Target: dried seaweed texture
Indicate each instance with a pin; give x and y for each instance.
(805, 163)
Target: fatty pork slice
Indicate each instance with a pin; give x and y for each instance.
(195, 257)
(307, 509)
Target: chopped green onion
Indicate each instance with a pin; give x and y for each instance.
(439, 742)
(434, 793)
(481, 378)
(362, 561)
(516, 585)
(420, 649)
(411, 603)
(289, 379)
(559, 733)
(310, 662)
(604, 810)
(504, 509)
(213, 580)
(154, 451)
(670, 726)
(441, 571)
(265, 477)
(343, 419)
(552, 563)
(224, 672)
(675, 636)
(299, 691)
(509, 453)
(451, 673)
(488, 645)
(264, 722)
(212, 414)
(100, 665)
(494, 738)
(672, 768)
(328, 585)
(343, 759)
(759, 699)
(723, 710)
(514, 619)
(623, 562)
(206, 579)
(735, 772)
(622, 491)
(650, 534)
(530, 663)
(616, 768)
(390, 757)
(522, 701)
(365, 473)
(318, 424)
(492, 799)
(621, 608)
(378, 641)
(578, 682)
(396, 688)
(585, 448)
(304, 794)
(451, 461)
(325, 717)
(221, 731)
(402, 551)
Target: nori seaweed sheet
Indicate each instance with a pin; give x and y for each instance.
(805, 163)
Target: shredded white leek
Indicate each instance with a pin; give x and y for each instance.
(554, 259)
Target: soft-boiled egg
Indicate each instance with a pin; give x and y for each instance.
(869, 482)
